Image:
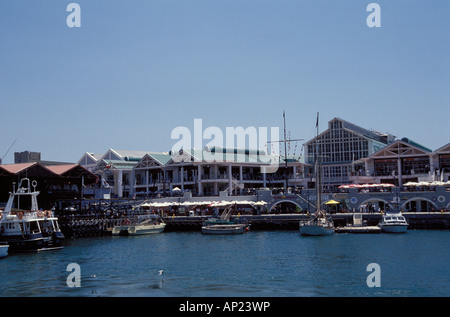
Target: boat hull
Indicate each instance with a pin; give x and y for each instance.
(358, 229)
(394, 228)
(4, 250)
(224, 229)
(34, 243)
(315, 230)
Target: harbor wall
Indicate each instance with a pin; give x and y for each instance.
(74, 227)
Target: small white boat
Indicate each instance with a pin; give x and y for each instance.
(4, 250)
(147, 226)
(393, 222)
(236, 228)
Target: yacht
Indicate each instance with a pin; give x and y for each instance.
(224, 225)
(393, 222)
(318, 224)
(138, 226)
(236, 228)
(31, 229)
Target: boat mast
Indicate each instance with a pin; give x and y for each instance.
(285, 156)
(285, 140)
(318, 172)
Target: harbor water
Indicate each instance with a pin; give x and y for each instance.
(255, 264)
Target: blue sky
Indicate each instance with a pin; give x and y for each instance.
(135, 70)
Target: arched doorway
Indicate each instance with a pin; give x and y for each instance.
(374, 205)
(286, 207)
(418, 204)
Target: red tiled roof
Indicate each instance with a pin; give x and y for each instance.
(16, 168)
(61, 169)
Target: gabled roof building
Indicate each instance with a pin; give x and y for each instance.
(349, 154)
(54, 182)
(341, 146)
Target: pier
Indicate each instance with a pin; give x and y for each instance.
(84, 226)
(429, 220)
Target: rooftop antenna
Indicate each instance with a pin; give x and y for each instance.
(8, 150)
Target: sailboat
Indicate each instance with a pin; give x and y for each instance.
(319, 224)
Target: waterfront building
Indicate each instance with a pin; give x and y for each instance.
(208, 171)
(440, 163)
(342, 146)
(202, 172)
(55, 182)
(350, 155)
(400, 162)
(115, 169)
(89, 160)
(151, 174)
(405, 161)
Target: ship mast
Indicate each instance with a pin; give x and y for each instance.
(318, 172)
(285, 141)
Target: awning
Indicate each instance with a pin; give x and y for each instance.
(366, 185)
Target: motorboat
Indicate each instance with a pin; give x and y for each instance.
(224, 224)
(139, 227)
(4, 250)
(236, 228)
(32, 229)
(393, 222)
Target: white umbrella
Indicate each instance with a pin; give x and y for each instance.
(243, 202)
(260, 203)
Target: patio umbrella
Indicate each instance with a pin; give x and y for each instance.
(260, 203)
(331, 202)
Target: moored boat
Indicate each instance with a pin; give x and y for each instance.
(393, 222)
(319, 224)
(32, 229)
(139, 227)
(224, 224)
(236, 228)
(4, 250)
